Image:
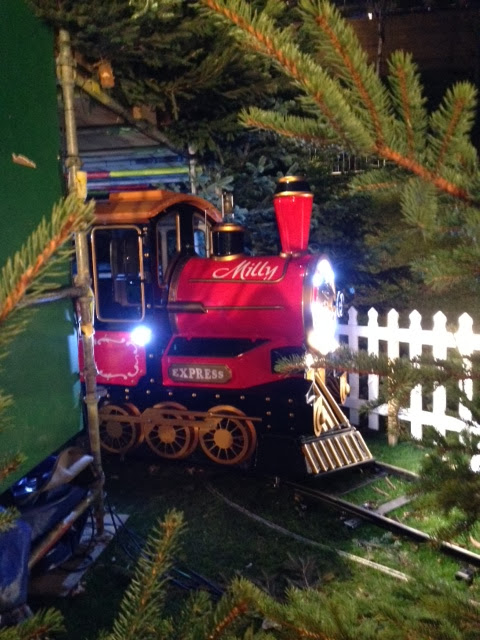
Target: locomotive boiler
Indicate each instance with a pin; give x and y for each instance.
(189, 328)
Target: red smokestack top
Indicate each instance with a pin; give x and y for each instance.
(293, 202)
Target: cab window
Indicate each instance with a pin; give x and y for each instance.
(118, 273)
(200, 236)
(180, 232)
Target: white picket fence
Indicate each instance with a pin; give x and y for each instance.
(425, 408)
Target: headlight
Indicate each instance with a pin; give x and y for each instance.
(320, 319)
(141, 335)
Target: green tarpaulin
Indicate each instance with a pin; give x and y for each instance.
(41, 369)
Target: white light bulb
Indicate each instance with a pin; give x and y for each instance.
(141, 335)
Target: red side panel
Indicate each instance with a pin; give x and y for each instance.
(251, 297)
(118, 359)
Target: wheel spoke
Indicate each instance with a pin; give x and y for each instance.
(117, 436)
(167, 439)
(230, 440)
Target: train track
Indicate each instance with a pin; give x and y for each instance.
(379, 518)
(188, 580)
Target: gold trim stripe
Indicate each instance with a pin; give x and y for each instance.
(302, 194)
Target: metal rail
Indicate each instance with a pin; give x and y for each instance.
(394, 526)
(397, 471)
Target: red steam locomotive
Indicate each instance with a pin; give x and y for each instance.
(188, 329)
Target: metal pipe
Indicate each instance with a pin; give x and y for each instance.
(53, 296)
(67, 80)
(63, 526)
(83, 278)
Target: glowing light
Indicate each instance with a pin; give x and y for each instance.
(323, 274)
(321, 337)
(322, 342)
(141, 335)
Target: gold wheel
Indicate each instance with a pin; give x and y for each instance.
(318, 417)
(338, 386)
(118, 436)
(172, 440)
(231, 439)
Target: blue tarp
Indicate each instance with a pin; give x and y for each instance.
(14, 555)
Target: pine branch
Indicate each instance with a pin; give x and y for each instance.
(10, 465)
(422, 172)
(306, 129)
(26, 273)
(452, 123)
(351, 99)
(349, 63)
(406, 93)
(29, 265)
(261, 36)
(288, 625)
(42, 625)
(235, 612)
(140, 610)
(400, 371)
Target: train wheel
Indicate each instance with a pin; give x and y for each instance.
(318, 417)
(134, 411)
(230, 439)
(338, 386)
(118, 436)
(170, 440)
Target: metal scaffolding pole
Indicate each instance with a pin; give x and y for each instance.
(66, 74)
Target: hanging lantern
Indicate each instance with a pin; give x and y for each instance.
(105, 74)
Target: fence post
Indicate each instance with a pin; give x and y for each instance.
(464, 341)
(353, 377)
(373, 379)
(415, 349)
(393, 352)
(439, 342)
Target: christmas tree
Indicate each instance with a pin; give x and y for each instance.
(429, 172)
(429, 164)
(163, 56)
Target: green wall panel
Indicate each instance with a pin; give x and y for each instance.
(41, 369)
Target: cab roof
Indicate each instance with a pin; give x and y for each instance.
(140, 206)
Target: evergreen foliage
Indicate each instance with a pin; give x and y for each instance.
(450, 484)
(345, 104)
(430, 164)
(35, 268)
(421, 608)
(428, 175)
(167, 58)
